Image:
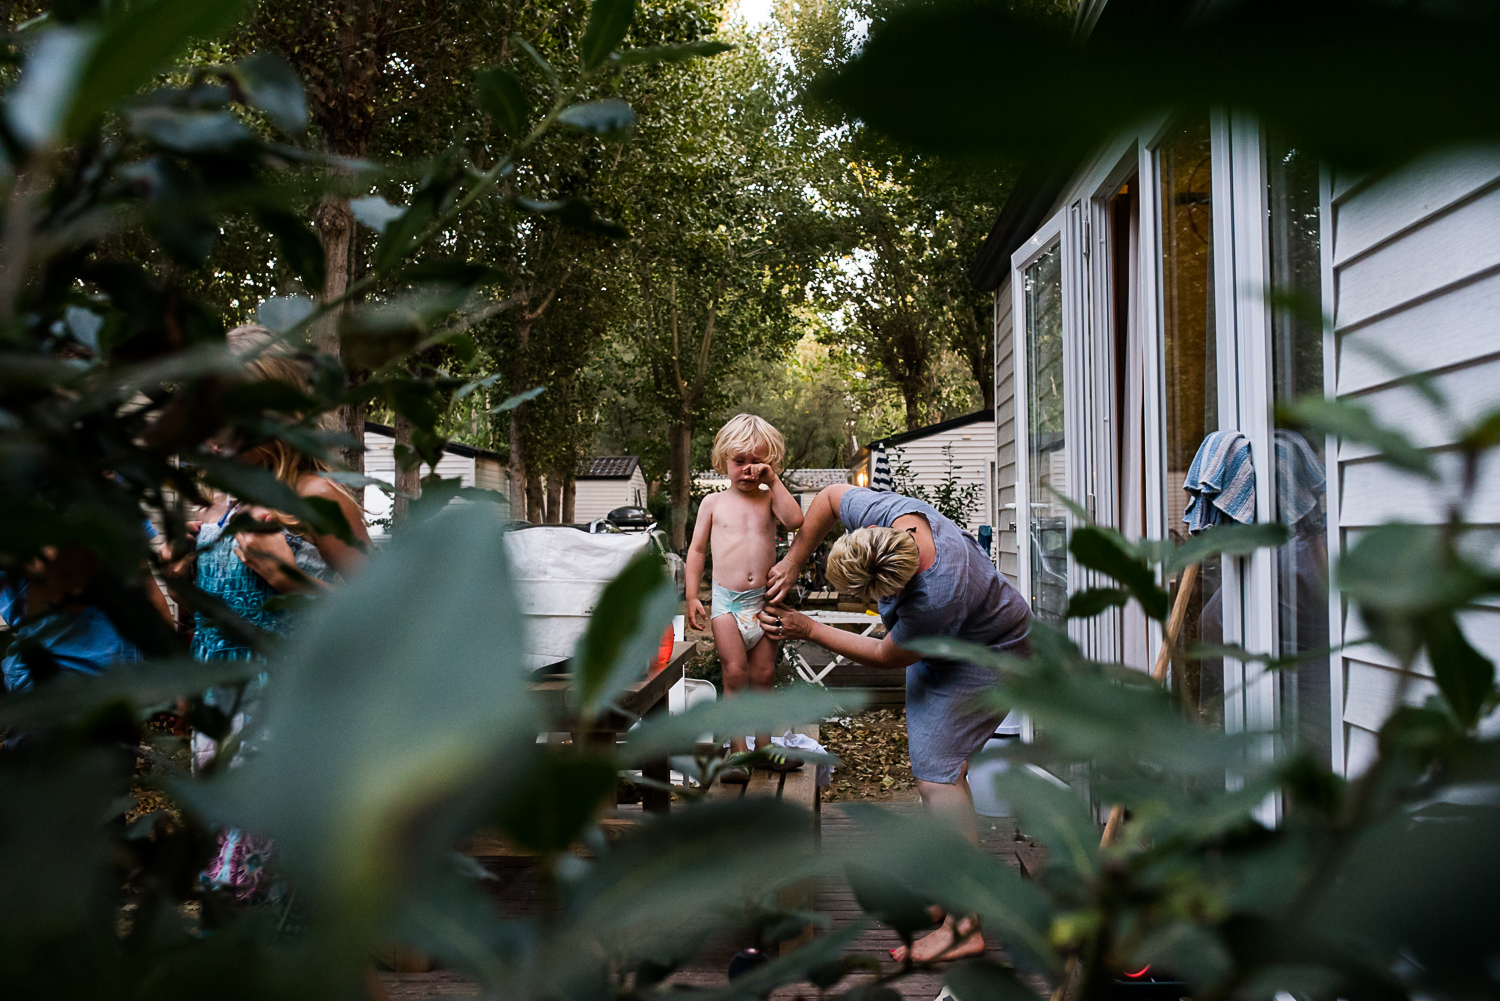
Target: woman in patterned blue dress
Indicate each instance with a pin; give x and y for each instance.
(248, 570)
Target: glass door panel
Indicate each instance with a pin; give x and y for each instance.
(1047, 447)
(1301, 574)
(1190, 398)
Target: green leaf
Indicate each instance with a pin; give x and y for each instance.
(751, 712)
(623, 633)
(359, 481)
(536, 57)
(608, 119)
(609, 20)
(888, 902)
(37, 106)
(375, 334)
(944, 648)
(253, 485)
(804, 963)
(283, 312)
(484, 383)
(300, 247)
(1231, 540)
(1090, 602)
(1098, 550)
(1356, 423)
(139, 39)
(1056, 817)
(375, 212)
(500, 95)
(1363, 84)
(1213, 651)
(1464, 675)
(191, 131)
(512, 402)
(982, 980)
(413, 724)
(557, 798)
(139, 685)
(577, 213)
(273, 87)
(931, 860)
(675, 53)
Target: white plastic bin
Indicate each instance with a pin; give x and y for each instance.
(982, 776)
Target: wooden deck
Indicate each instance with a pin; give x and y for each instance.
(517, 893)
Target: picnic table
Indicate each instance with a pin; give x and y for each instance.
(640, 699)
(815, 676)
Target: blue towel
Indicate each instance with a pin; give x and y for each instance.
(1220, 482)
(1300, 480)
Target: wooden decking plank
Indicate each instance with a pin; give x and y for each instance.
(517, 892)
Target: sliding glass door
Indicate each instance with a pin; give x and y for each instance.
(1042, 398)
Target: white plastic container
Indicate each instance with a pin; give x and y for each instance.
(982, 776)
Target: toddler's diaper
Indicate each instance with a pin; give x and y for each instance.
(745, 606)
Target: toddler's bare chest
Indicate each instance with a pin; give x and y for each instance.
(743, 519)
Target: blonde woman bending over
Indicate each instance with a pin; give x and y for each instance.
(928, 578)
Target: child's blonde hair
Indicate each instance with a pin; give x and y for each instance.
(747, 433)
(873, 563)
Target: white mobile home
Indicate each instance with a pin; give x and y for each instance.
(473, 467)
(605, 483)
(1132, 319)
(969, 439)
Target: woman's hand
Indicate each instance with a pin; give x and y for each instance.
(781, 623)
(780, 580)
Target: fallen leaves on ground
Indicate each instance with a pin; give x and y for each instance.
(873, 748)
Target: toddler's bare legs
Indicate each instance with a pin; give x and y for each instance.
(735, 663)
(762, 670)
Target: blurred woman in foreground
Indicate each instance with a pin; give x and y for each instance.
(250, 557)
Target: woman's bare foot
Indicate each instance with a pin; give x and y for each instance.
(954, 939)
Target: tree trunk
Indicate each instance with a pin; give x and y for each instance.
(680, 449)
(569, 498)
(335, 226)
(554, 498)
(408, 481)
(536, 499)
(913, 400)
(518, 450)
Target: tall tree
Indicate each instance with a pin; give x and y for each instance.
(727, 244)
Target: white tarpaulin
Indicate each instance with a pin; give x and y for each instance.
(559, 574)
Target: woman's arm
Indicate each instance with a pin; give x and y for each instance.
(343, 558)
(822, 515)
(866, 650)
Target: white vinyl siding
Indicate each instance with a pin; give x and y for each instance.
(489, 474)
(1005, 435)
(380, 464)
(1416, 276)
(595, 498)
(973, 451)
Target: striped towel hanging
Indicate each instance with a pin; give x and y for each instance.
(1220, 482)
